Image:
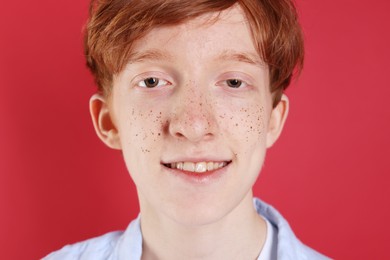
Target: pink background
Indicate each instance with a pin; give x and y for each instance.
(329, 174)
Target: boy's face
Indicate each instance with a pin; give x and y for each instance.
(195, 96)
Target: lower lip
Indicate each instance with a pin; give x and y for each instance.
(199, 178)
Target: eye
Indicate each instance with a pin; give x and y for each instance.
(234, 83)
(152, 82)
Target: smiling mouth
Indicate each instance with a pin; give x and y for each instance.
(198, 167)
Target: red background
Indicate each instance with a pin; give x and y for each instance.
(328, 174)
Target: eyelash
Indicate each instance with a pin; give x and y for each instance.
(160, 82)
(242, 84)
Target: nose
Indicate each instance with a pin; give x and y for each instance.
(192, 118)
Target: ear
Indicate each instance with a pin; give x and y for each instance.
(103, 122)
(277, 119)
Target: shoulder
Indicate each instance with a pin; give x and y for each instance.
(101, 247)
(114, 245)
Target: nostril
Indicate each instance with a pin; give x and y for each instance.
(178, 134)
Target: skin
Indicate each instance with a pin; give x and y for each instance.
(193, 114)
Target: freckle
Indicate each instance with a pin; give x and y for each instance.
(236, 124)
(159, 134)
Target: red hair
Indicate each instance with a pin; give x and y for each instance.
(114, 26)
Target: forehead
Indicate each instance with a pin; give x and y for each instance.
(223, 34)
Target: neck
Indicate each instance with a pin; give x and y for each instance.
(238, 235)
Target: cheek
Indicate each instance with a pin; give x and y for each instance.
(143, 128)
(244, 123)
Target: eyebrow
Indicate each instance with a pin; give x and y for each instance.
(226, 55)
(151, 55)
(245, 57)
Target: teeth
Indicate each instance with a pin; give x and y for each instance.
(210, 166)
(198, 167)
(201, 167)
(178, 165)
(188, 166)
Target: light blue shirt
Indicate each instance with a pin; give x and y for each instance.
(127, 245)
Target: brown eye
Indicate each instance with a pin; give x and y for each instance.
(234, 83)
(151, 82)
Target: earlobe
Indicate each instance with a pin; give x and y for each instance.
(277, 119)
(103, 122)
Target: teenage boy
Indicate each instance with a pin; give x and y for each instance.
(191, 92)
